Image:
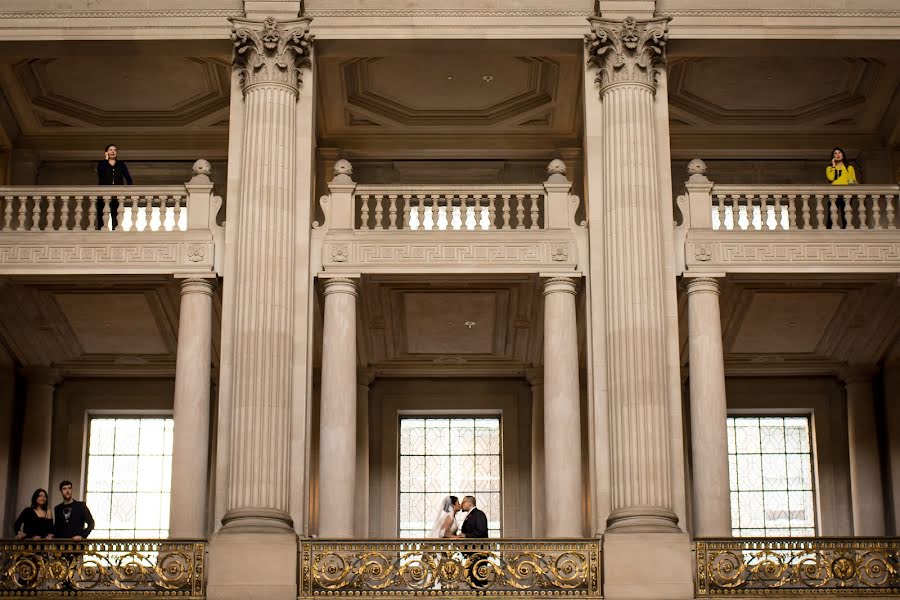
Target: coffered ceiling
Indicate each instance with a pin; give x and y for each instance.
(804, 325)
(92, 327)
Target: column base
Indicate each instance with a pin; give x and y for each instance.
(647, 566)
(643, 520)
(252, 566)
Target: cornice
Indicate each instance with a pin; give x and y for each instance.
(445, 13)
(779, 12)
(119, 14)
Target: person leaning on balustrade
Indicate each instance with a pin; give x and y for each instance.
(839, 173)
(72, 518)
(111, 171)
(35, 522)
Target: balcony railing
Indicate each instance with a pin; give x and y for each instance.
(105, 568)
(786, 228)
(798, 566)
(106, 229)
(557, 568)
(390, 228)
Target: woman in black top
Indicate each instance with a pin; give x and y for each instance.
(35, 522)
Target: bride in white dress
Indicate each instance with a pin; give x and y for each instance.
(445, 523)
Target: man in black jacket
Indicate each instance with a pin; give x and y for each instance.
(475, 526)
(72, 519)
(111, 171)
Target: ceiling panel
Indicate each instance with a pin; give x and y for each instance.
(113, 323)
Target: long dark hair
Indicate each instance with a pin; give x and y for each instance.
(453, 500)
(35, 495)
(844, 158)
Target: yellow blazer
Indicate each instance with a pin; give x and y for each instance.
(842, 175)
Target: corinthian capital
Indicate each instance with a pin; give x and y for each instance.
(628, 51)
(271, 52)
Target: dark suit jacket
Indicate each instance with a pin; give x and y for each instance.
(475, 525)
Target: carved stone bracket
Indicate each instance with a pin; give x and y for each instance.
(628, 51)
(271, 52)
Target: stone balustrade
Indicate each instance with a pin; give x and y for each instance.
(435, 228)
(447, 568)
(106, 229)
(103, 568)
(786, 228)
(771, 567)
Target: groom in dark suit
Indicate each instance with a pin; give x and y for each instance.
(475, 526)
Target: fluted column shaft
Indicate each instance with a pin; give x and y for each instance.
(562, 411)
(362, 457)
(709, 437)
(337, 440)
(538, 472)
(37, 433)
(866, 491)
(190, 443)
(264, 274)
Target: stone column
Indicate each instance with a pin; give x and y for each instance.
(337, 439)
(257, 534)
(709, 438)
(37, 433)
(628, 54)
(190, 444)
(538, 489)
(866, 490)
(364, 378)
(562, 412)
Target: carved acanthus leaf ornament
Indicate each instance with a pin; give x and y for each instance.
(628, 51)
(271, 52)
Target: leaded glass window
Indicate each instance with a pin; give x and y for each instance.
(129, 475)
(770, 467)
(442, 457)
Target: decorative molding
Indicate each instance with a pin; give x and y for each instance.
(271, 52)
(833, 255)
(778, 12)
(120, 14)
(445, 13)
(169, 257)
(628, 51)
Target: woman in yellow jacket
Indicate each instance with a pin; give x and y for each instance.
(838, 173)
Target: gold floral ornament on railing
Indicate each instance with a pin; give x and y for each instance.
(563, 569)
(763, 567)
(104, 568)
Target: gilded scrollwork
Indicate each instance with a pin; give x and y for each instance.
(752, 567)
(460, 568)
(145, 567)
(628, 51)
(271, 52)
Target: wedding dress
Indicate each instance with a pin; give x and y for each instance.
(440, 529)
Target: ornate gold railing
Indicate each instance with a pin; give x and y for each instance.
(106, 568)
(798, 566)
(557, 568)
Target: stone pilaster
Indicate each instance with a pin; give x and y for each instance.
(709, 438)
(538, 476)
(627, 55)
(866, 491)
(337, 439)
(562, 412)
(190, 443)
(37, 433)
(363, 380)
(257, 535)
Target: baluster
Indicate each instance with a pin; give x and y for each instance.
(833, 211)
(23, 203)
(364, 211)
(64, 213)
(464, 211)
(876, 211)
(492, 211)
(804, 209)
(520, 211)
(120, 213)
(392, 211)
(379, 211)
(107, 200)
(889, 209)
(78, 223)
(777, 208)
(92, 212)
(735, 212)
(36, 215)
(7, 212)
(792, 211)
(477, 217)
(435, 212)
(534, 212)
(848, 212)
(51, 215)
(819, 200)
(763, 213)
(719, 209)
(863, 213)
(446, 214)
(136, 214)
(506, 198)
(407, 207)
(178, 202)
